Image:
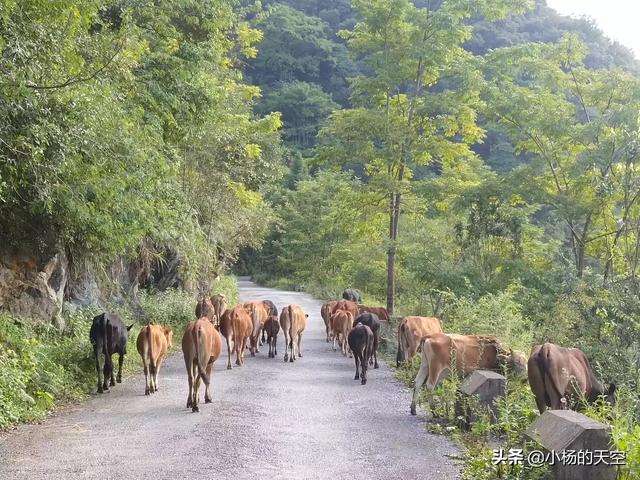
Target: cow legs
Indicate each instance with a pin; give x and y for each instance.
(421, 377)
(96, 351)
(229, 354)
(196, 387)
(375, 353)
(207, 388)
(357, 360)
(146, 376)
(239, 352)
(154, 375)
(286, 346)
(189, 364)
(363, 375)
(107, 372)
(300, 344)
(120, 362)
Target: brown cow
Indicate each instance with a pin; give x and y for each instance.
(153, 343)
(259, 314)
(271, 328)
(347, 306)
(219, 302)
(559, 375)
(236, 327)
(201, 345)
(341, 324)
(411, 331)
(471, 352)
(204, 308)
(325, 313)
(293, 321)
(381, 312)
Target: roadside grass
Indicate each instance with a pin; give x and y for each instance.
(42, 368)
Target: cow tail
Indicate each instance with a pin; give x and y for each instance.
(149, 342)
(198, 346)
(290, 327)
(543, 363)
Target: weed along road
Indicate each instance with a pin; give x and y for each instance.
(269, 419)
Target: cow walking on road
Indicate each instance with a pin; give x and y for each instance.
(293, 321)
(361, 343)
(201, 345)
(153, 343)
(371, 320)
(108, 335)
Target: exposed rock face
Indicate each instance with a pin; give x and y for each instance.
(34, 287)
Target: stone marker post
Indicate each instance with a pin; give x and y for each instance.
(488, 386)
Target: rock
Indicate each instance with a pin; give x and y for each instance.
(33, 287)
(568, 431)
(487, 386)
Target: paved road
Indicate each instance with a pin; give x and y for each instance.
(303, 421)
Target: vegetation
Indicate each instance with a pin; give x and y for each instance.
(483, 171)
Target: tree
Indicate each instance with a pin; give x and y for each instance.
(418, 105)
(580, 124)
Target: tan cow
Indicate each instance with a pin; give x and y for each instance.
(153, 343)
(219, 302)
(293, 321)
(204, 308)
(341, 324)
(411, 331)
(561, 376)
(259, 314)
(201, 346)
(325, 313)
(381, 312)
(236, 327)
(469, 352)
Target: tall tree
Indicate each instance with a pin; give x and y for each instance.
(419, 103)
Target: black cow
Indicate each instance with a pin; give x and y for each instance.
(361, 344)
(372, 321)
(109, 335)
(352, 294)
(271, 328)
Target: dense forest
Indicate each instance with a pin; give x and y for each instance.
(474, 160)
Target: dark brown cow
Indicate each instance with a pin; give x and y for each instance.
(471, 352)
(561, 376)
(201, 346)
(411, 331)
(271, 328)
(293, 321)
(153, 343)
(325, 313)
(381, 312)
(361, 344)
(236, 327)
(371, 320)
(108, 335)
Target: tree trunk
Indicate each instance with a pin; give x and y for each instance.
(391, 256)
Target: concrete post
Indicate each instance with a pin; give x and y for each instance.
(487, 386)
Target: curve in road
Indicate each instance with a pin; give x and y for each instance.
(306, 420)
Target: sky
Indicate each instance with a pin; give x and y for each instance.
(618, 19)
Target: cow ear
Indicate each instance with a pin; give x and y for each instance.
(130, 327)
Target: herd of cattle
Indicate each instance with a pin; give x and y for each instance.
(559, 377)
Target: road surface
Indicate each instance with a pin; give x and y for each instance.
(269, 419)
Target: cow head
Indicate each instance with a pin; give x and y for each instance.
(516, 362)
(168, 333)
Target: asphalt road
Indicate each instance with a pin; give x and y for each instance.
(269, 419)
